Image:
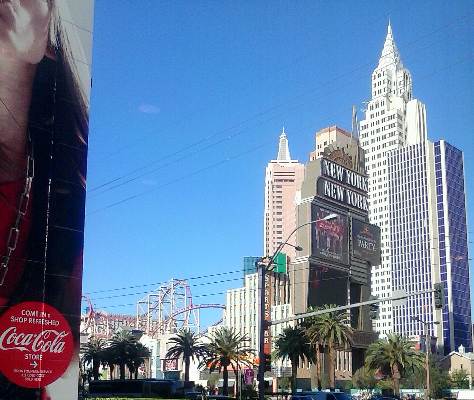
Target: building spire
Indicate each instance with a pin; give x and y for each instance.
(283, 149)
(390, 54)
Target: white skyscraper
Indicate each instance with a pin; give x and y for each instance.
(393, 119)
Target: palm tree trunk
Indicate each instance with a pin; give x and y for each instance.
(95, 370)
(331, 367)
(237, 383)
(186, 369)
(122, 371)
(294, 371)
(318, 366)
(396, 380)
(112, 368)
(225, 376)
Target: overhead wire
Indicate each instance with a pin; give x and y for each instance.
(241, 278)
(209, 167)
(259, 114)
(278, 68)
(226, 291)
(205, 168)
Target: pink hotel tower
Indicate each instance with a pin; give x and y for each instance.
(283, 178)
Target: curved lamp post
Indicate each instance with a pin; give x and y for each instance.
(264, 266)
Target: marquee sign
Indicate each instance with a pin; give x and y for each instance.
(330, 237)
(267, 341)
(343, 185)
(170, 364)
(366, 241)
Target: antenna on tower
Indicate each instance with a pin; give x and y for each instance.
(355, 129)
(355, 135)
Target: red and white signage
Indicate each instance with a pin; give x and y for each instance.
(36, 344)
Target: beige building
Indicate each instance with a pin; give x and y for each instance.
(283, 178)
(459, 360)
(327, 136)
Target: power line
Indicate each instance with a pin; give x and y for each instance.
(190, 286)
(132, 197)
(163, 282)
(225, 292)
(414, 254)
(295, 269)
(145, 192)
(279, 68)
(251, 118)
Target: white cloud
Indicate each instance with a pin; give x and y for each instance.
(148, 109)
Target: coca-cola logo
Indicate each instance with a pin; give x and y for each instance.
(46, 341)
(36, 344)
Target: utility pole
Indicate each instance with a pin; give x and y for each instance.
(262, 269)
(427, 360)
(426, 332)
(265, 265)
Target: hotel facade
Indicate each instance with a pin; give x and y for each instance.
(417, 197)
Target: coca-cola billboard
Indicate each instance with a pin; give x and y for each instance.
(45, 63)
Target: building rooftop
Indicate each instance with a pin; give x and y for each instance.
(333, 128)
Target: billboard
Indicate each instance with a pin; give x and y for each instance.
(45, 61)
(170, 364)
(343, 185)
(326, 286)
(366, 241)
(329, 236)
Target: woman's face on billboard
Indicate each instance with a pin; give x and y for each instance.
(24, 29)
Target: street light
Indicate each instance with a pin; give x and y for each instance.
(427, 352)
(297, 248)
(263, 268)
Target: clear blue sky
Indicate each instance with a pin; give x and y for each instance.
(195, 93)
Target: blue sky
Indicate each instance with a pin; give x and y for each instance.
(188, 101)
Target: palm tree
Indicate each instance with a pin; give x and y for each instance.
(394, 356)
(292, 344)
(227, 348)
(331, 330)
(93, 352)
(316, 342)
(109, 359)
(123, 345)
(187, 345)
(139, 354)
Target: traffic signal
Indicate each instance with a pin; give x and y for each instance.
(438, 295)
(268, 362)
(374, 310)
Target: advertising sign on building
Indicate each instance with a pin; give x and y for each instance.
(45, 63)
(267, 343)
(366, 242)
(330, 237)
(170, 364)
(248, 376)
(343, 185)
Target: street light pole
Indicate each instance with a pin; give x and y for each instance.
(427, 352)
(263, 267)
(261, 334)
